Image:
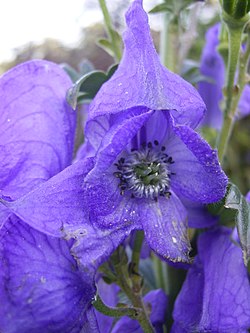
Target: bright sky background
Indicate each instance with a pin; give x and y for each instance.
(23, 21)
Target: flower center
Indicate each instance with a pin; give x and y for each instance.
(145, 172)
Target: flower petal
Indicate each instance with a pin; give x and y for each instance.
(215, 296)
(37, 126)
(42, 289)
(198, 174)
(141, 80)
(94, 246)
(198, 215)
(57, 203)
(101, 186)
(165, 226)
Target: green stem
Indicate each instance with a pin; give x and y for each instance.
(234, 40)
(160, 273)
(134, 295)
(110, 30)
(115, 312)
(136, 254)
(169, 42)
(233, 92)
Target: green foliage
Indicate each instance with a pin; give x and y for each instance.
(236, 8)
(85, 88)
(161, 8)
(236, 201)
(108, 46)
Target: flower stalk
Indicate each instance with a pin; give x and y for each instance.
(110, 31)
(115, 312)
(233, 91)
(130, 287)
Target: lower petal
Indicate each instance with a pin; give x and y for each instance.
(215, 296)
(165, 226)
(42, 288)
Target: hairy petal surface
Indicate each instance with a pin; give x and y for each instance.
(37, 126)
(141, 80)
(42, 289)
(215, 296)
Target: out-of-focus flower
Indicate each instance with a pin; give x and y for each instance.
(42, 287)
(212, 66)
(215, 295)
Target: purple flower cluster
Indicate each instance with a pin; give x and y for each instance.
(61, 219)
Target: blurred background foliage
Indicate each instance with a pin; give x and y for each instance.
(238, 156)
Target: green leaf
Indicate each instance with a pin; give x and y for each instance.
(87, 86)
(163, 7)
(236, 201)
(106, 45)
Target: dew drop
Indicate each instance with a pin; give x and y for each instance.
(174, 240)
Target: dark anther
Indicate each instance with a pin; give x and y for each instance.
(133, 149)
(170, 160)
(156, 199)
(132, 196)
(122, 160)
(163, 148)
(173, 173)
(150, 145)
(156, 142)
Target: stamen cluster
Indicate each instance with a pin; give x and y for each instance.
(145, 172)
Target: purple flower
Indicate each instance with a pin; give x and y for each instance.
(127, 190)
(212, 66)
(42, 287)
(141, 80)
(142, 161)
(141, 168)
(215, 296)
